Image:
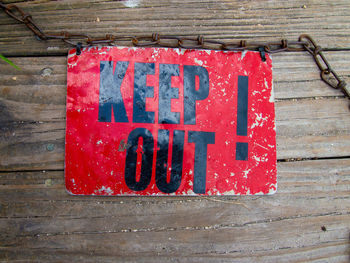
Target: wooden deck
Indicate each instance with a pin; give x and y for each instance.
(308, 219)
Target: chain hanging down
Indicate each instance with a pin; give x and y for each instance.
(304, 43)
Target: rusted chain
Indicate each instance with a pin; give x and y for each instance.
(328, 75)
(304, 43)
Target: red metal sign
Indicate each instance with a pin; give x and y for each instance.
(158, 121)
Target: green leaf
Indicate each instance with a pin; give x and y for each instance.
(9, 62)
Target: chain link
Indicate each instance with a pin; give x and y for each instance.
(305, 43)
(328, 75)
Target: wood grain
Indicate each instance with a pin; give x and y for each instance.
(227, 20)
(39, 221)
(37, 215)
(33, 105)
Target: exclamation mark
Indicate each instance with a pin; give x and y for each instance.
(242, 118)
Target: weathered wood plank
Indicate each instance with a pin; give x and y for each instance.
(37, 215)
(305, 129)
(39, 221)
(292, 175)
(295, 76)
(202, 242)
(33, 112)
(331, 252)
(227, 20)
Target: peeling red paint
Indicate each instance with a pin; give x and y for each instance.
(96, 151)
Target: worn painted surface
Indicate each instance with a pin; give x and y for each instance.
(154, 121)
(41, 222)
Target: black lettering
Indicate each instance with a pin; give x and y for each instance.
(110, 95)
(242, 106)
(201, 140)
(241, 151)
(131, 159)
(242, 118)
(191, 95)
(176, 162)
(141, 92)
(166, 93)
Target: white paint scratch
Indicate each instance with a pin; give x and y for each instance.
(246, 173)
(259, 120)
(105, 190)
(261, 146)
(179, 51)
(272, 95)
(199, 62)
(243, 54)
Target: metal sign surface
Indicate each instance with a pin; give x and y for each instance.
(158, 121)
